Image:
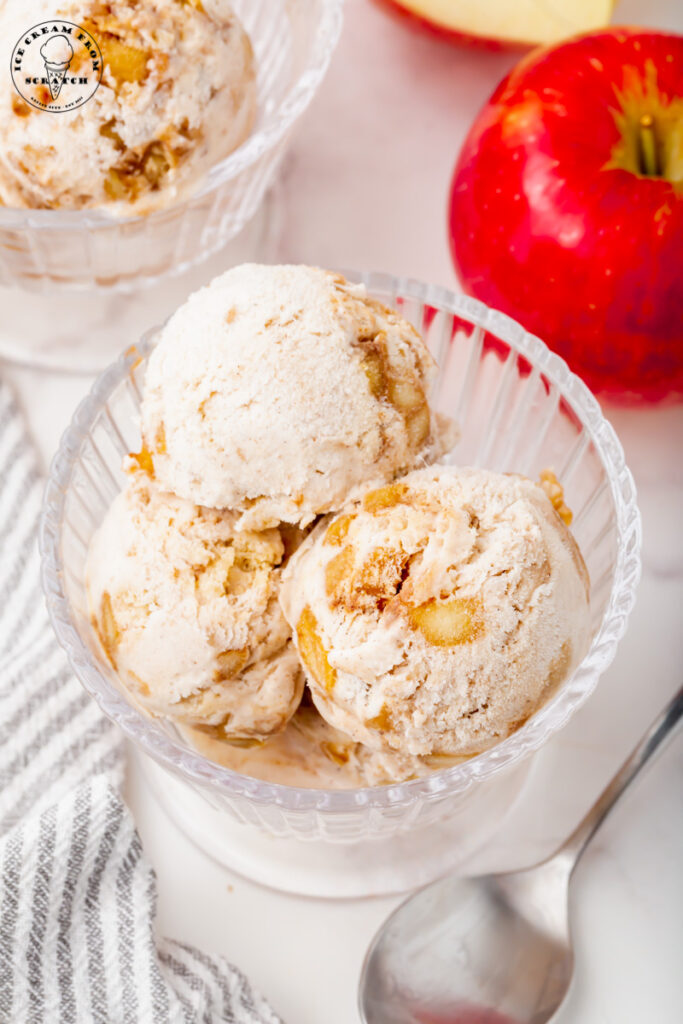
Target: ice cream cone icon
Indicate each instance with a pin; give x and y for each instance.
(57, 53)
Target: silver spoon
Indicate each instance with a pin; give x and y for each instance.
(494, 949)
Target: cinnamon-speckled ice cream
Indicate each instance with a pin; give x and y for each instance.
(437, 613)
(279, 390)
(186, 609)
(178, 94)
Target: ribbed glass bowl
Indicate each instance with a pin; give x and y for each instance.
(520, 409)
(293, 42)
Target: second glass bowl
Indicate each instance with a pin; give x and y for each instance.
(293, 42)
(141, 267)
(520, 409)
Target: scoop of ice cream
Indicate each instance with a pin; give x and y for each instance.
(277, 390)
(178, 94)
(57, 51)
(186, 609)
(312, 754)
(436, 614)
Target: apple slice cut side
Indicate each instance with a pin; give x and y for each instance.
(518, 23)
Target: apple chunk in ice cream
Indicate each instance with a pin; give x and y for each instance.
(187, 612)
(436, 614)
(178, 94)
(279, 390)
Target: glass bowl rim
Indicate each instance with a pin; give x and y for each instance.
(144, 732)
(290, 108)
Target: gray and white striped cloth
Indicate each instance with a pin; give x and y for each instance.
(77, 898)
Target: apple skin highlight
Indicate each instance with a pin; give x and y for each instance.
(553, 220)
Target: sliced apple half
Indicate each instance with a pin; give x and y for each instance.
(507, 22)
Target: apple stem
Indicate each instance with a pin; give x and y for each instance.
(649, 163)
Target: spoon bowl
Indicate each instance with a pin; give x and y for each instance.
(488, 950)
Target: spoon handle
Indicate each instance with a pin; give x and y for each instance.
(660, 731)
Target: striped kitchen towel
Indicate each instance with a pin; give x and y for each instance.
(77, 898)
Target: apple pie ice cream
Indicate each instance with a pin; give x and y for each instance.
(435, 614)
(431, 609)
(177, 95)
(186, 609)
(278, 391)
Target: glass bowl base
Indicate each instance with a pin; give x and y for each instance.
(82, 330)
(332, 869)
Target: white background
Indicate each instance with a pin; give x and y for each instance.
(365, 185)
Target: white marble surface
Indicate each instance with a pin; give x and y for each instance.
(365, 184)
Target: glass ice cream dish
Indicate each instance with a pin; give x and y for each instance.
(219, 105)
(520, 410)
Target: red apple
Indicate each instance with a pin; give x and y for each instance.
(566, 207)
(497, 24)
